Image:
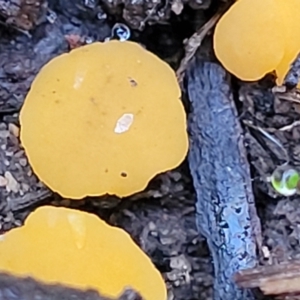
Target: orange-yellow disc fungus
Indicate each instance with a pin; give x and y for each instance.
(249, 39)
(289, 15)
(103, 119)
(77, 249)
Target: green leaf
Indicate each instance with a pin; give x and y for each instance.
(292, 180)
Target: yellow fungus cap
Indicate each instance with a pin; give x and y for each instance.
(77, 249)
(103, 119)
(249, 39)
(289, 15)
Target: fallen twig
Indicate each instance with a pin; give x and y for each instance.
(30, 199)
(225, 212)
(193, 43)
(280, 279)
(265, 132)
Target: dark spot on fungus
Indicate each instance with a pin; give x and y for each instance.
(123, 174)
(132, 82)
(106, 170)
(93, 101)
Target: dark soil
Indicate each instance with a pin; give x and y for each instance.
(162, 219)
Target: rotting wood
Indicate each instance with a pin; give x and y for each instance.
(277, 279)
(226, 213)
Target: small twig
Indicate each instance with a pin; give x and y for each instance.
(194, 42)
(282, 94)
(291, 99)
(149, 16)
(268, 136)
(272, 130)
(290, 126)
(12, 26)
(272, 279)
(36, 197)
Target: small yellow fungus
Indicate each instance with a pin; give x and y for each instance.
(289, 15)
(255, 37)
(249, 39)
(77, 249)
(103, 119)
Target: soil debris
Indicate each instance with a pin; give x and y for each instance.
(193, 43)
(275, 112)
(21, 57)
(169, 236)
(23, 14)
(138, 14)
(19, 187)
(292, 78)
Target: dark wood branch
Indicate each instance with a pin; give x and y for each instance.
(226, 213)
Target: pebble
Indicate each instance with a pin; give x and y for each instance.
(3, 181)
(4, 134)
(25, 187)
(176, 176)
(19, 154)
(178, 188)
(8, 217)
(14, 129)
(171, 295)
(23, 162)
(180, 262)
(18, 223)
(166, 241)
(12, 184)
(152, 226)
(164, 231)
